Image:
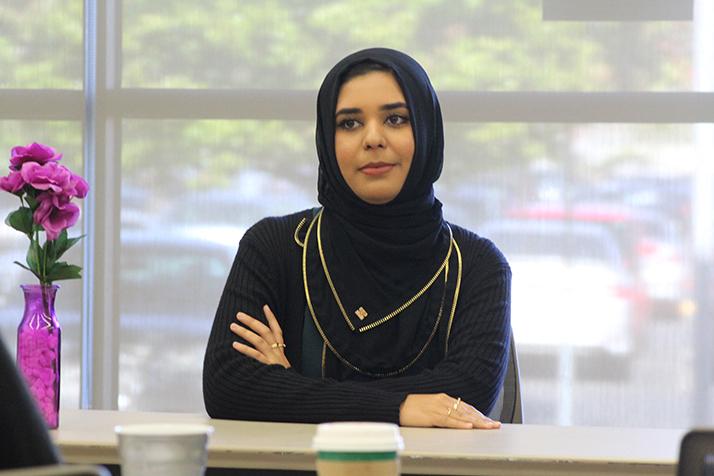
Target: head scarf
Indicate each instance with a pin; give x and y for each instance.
(417, 194)
(381, 255)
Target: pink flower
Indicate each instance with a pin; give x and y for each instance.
(50, 176)
(79, 186)
(55, 213)
(34, 152)
(46, 190)
(13, 183)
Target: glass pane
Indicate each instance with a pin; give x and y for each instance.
(596, 222)
(66, 138)
(465, 45)
(183, 213)
(41, 44)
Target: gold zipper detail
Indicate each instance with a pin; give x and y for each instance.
(456, 297)
(324, 351)
(297, 230)
(327, 273)
(401, 308)
(444, 267)
(328, 344)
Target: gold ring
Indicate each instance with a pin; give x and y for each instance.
(276, 345)
(456, 405)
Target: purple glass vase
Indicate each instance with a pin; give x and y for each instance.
(38, 349)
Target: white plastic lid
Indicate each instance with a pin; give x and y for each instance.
(164, 429)
(358, 437)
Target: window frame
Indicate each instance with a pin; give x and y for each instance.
(102, 104)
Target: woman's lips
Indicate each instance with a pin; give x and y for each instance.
(376, 168)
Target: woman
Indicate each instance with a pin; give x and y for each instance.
(371, 307)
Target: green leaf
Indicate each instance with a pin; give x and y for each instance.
(49, 250)
(21, 265)
(31, 200)
(62, 243)
(25, 267)
(33, 257)
(62, 270)
(53, 247)
(21, 220)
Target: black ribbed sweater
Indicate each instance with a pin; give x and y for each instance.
(267, 269)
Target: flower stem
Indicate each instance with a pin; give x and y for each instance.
(40, 257)
(45, 300)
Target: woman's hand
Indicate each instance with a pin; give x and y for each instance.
(443, 411)
(267, 341)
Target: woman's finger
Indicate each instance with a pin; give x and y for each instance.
(466, 412)
(236, 329)
(254, 339)
(452, 422)
(256, 326)
(250, 352)
(454, 419)
(274, 326)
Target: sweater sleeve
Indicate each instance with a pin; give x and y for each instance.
(475, 364)
(238, 387)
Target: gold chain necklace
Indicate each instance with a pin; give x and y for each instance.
(332, 348)
(409, 302)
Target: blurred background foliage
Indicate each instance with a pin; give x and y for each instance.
(473, 45)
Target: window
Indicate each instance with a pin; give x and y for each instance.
(582, 148)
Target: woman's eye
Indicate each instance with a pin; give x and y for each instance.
(348, 124)
(397, 120)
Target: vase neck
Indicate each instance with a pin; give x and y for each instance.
(40, 299)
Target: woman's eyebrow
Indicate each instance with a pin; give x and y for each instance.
(385, 107)
(393, 105)
(348, 110)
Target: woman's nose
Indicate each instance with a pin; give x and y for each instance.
(373, 136)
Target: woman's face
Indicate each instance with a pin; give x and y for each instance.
(374, 143)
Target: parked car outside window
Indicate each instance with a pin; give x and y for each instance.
(570, 289)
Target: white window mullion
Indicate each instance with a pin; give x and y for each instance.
(41, 104)
(703, 229)
(100, 316)
(578, 107)
(457, 106)
(618, 10)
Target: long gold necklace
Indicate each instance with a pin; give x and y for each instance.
(405, 305)
(327, 343)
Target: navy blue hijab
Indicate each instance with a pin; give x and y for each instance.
(379, 256)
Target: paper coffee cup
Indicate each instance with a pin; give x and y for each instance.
(163, 449)
(358, 449)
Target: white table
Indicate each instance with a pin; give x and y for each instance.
(87, 436)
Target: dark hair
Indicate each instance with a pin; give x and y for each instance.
(364, 67)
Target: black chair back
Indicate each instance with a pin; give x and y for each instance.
(508, 407)
(696, 454)
(24, 439)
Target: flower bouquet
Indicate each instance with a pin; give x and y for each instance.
(46, 190)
